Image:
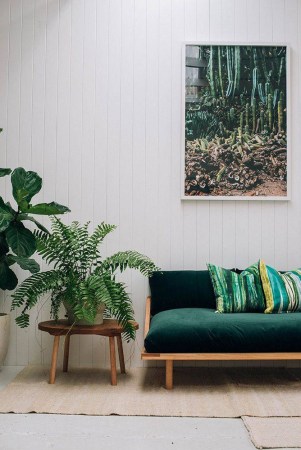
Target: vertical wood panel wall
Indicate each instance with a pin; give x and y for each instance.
(90, 97)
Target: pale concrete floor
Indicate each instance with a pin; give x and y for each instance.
(58, 432)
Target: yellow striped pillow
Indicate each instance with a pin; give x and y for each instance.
(282, 291)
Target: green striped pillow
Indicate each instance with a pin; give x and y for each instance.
(237, 292)
(282, 291)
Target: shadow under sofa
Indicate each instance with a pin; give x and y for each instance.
(181, 324)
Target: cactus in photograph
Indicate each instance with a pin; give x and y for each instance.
(263, 63)
(254, 116)
(242, 99)
(229, 56)
(275, 97)
(247, 118)
(267, 88)
(280, 112)
(241, 120)
(261, 93)
(233, 138)
(211, 72)
(236, 69)
(281, 70)
(270, 112)
(254, 86)
(220, 75)
(220, 174)
(221, 129)
(262, 123)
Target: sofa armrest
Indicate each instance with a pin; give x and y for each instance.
(147, 315)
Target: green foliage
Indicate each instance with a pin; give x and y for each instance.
(14, 235)
(238, 76)
(8, 279)
(4, 172)
(47, 209)
(128, 259)
(24, 263)
(25, 186)
(280, 112)
(20, 239)
(80, 276)
(201, 124)
(6, 215)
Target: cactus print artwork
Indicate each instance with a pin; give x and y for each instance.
(235, 121)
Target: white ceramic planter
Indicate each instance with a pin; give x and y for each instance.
(4, 336)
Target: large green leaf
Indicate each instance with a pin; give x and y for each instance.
(3, 245)
(24, 216)
(25, 186)
(24, 263)
(4, 172)
(6, 215)
(20, 239)
(48, 209)
(8, 279)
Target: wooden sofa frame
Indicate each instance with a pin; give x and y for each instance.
(169, 358)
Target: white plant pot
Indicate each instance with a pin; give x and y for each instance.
(4, 336)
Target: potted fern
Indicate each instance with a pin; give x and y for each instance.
(80, 278)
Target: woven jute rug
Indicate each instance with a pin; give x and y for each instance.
(274, 432)
(198, 392)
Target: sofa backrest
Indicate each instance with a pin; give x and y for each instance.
(181, 289)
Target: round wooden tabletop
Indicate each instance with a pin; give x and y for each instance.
(109, 327)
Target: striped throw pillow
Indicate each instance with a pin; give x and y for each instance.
(282, 290)
(237, 292)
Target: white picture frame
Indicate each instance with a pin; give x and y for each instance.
(261, 190)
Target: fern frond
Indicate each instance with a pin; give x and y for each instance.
(31, 289)
(57, 299)
(100, 232)
(90, 249)
(82, 301)
(66, 246)
(36, 285)
(22, 320)
(117, 301)
(128, 259)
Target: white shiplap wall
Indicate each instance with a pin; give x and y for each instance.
(90, 97)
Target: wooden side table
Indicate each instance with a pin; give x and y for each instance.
(109, 328)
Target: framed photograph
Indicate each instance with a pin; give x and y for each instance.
(235, 122)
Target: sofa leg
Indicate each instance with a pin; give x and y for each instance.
(169, 374)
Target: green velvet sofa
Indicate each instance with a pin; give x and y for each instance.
(181, 323)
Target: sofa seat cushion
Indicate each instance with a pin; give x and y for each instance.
(201, 330)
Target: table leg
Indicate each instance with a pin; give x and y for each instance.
(120, 353)
(113, 361)
(54, 359)
(66, 353)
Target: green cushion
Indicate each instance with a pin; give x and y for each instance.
(200, 330)
(237, 292)
(282, 291)
(180, 289)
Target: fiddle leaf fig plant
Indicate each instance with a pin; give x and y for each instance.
(4, 172)
(18, 243)
(80, 278)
